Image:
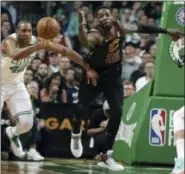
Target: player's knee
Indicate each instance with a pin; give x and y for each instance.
(26, 122)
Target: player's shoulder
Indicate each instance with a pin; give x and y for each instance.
(6, 43)
(9, 38)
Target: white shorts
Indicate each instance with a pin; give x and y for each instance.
(17, 99)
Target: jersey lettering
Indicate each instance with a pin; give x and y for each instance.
(114, 53)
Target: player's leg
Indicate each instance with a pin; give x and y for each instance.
(2, 99)
(33, 134)
(113, 92)
(87, 92)
(20, 108)
(178, 124)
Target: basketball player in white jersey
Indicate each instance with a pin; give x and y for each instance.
(17, 51)
(178, 125)
(178, 121)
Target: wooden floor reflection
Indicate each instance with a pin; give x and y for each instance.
(8, 167)
(64, 166)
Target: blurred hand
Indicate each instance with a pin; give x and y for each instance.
(175, 34)
(103, 124)
(82, 20)
(92, 76)
(43, 43)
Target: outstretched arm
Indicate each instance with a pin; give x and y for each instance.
(75, 57)
(144, 28)
(9, 48)
(82, 32)
(88, 39)
(72, 55)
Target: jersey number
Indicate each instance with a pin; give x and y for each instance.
(19, 66)
(17, 69)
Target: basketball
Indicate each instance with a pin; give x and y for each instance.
(48, 28)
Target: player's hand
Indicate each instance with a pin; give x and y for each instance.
(104, 123)
(175, 34)
(114, 20)
(43, 43)
(82, 20)
(92, 76)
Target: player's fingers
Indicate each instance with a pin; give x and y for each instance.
(88, 80)
(94, 81)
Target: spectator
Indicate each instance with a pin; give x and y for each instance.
(54, 59)
(153, 50)
(54, 90)
(128, 88)
(115, 13)
(35, 64)
(28, 76)
(143, 20)
(5, 15)
(64, 64)
(137, 74)
(149, 70)
(145, 41)
(12, 10)
(146, 56)
(72, 30)
(42, 75)
(5, 29)
(127, 18)
(90, 22)
(131, 62)
(71, 89)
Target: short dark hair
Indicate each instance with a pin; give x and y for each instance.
(22, 22)
(99, 8)
(128, 82)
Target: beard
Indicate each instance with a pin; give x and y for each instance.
(24, 41)
(42, 75)
(107, 25)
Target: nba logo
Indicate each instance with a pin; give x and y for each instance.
(157, 132)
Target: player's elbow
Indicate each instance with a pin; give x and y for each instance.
(89, 132)
(16, 57)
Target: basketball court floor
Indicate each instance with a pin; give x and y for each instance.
(57, 166)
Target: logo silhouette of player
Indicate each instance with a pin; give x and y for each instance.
(158, 126)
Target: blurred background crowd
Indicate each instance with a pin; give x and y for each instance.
(52, 77)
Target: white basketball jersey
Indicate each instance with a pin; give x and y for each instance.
(13, 70)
